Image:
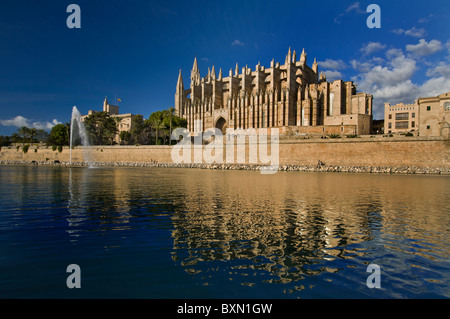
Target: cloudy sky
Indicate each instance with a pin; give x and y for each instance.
(133, 50)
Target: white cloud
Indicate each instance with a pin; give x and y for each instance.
(424, 48)
(388, 83)
(425, 19)
(332, 64)
(372, 47)
(332, 75)
(434, 86)
(442, 69)
(354, 7)
(392, 81)
(413, 32)
(392, 78)
(20, 121)
(361, 66)
(399, 69)
(237, 42)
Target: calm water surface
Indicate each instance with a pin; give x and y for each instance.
(190, 233)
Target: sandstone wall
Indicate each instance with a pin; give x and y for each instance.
(393, 152)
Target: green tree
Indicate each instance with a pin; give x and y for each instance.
(165, 121)
(170, 115)
(15, 138)
(41, 136)
(101, 128)
(156, 122)
(125, 137)
(24, 134)
(138, 129)
(30, 135)
(5, 140)
(59, 135)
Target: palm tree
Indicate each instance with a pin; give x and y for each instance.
(171, 111)
(156, 124)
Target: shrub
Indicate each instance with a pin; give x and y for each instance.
(409, 134)
(54, 148)
(17, 148)
(35, 150)
(60, 148)
(352, 136)
(334, 136)
(25, 148)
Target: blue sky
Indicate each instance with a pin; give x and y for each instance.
(133, 50)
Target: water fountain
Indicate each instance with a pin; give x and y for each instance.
(76, 120)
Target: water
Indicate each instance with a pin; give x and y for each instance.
(77, 129)
(189, 233)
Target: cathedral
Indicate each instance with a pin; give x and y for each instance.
(293, 97)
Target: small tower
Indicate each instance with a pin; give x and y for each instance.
(213, 73)
(289, 56)
(195, 73)
(303, 58)
(315, 66)
(179, 94)
(322, 77)
(105, 105)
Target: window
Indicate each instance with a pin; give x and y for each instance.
(413, 115)
(428, 108)
(401, 125)
(390, 116)
(413, 124)
(428, 127)
(447, 106)
(389, 125)
(402, 116)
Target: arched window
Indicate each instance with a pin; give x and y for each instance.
(447, 106)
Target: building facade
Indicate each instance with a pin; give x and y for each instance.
(378, 127)
(401, 118)
(124, 121)
(429, 116)
(292, 96)
(434, 115)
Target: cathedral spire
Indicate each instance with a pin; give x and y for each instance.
(303, 57)
(220, 74)
(195, 73)
(289, 56)
(180, 81)
(195, 66)
(315, 66)
(213, 73)
(236, 72)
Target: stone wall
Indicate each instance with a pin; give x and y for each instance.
(383, 152)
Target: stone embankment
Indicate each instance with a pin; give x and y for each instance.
(249, 167)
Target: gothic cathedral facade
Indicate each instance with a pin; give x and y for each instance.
(292, 97)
